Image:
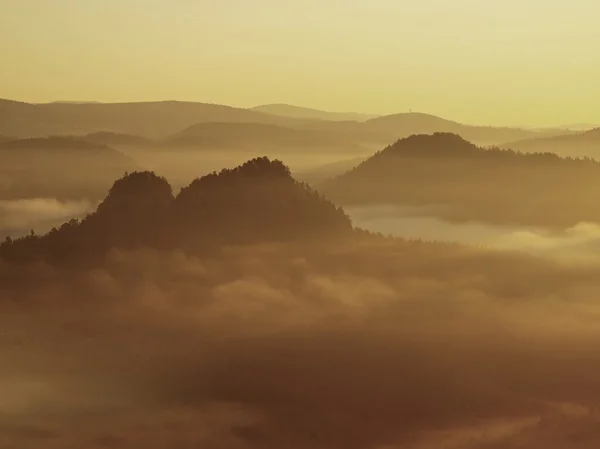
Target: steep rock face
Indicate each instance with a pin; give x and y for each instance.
(258, 201)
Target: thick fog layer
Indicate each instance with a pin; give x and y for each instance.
(371, 344)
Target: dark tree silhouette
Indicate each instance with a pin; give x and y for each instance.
(258, 201)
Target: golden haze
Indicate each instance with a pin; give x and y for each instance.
(527, 62)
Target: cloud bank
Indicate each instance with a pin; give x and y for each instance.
(372, 344)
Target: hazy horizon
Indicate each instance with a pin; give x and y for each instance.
(572, 125)
(527, 63)
(237, 236)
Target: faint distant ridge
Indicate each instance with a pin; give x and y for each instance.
(405, 124)
(258, 201)
(54, 142)
(73, 102)
(579, 126)
(287, 110)
(413, 119)
(578, 144)
(240, 136)
(590, 134)
(60, 167)
(116, 139)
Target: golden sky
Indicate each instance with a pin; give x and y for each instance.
(512, 62)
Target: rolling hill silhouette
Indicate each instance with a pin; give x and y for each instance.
(578, 126)
(320, 173)
(500, 186)
(258, 201)
(257, 135)
(287, 110)
(398, 126)
(150, 120)
(116, 139)
(51, 144)
(63, 167)
(158, 120)
(581, 144)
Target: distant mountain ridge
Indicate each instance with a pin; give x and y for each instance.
(580, 144)
(579, 126)
(159, 120)
(288, 110)
(116, 139)
(149, 120)
(73, 102)
(409, 123)
(50, 143)
(60, 167)
(258, 135)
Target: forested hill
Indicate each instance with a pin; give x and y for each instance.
(258, 201)
(495, 185)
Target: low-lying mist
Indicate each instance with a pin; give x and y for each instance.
(580, 243)
(368, 344)
(18, 217)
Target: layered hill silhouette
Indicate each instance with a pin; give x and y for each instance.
(150, 120)
(250, 136)
(287, 110)
(403, 125)
(581, 144)
(323, 172)
(159, 120)
(258, 201)
(494, 185)
(116, 139)
(61, 167)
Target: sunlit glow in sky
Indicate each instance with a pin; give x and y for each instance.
(511, 62)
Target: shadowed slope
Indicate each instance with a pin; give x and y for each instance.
(477, 184)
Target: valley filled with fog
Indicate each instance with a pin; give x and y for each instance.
(579, 243)
(278, 281)
(365, 224)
